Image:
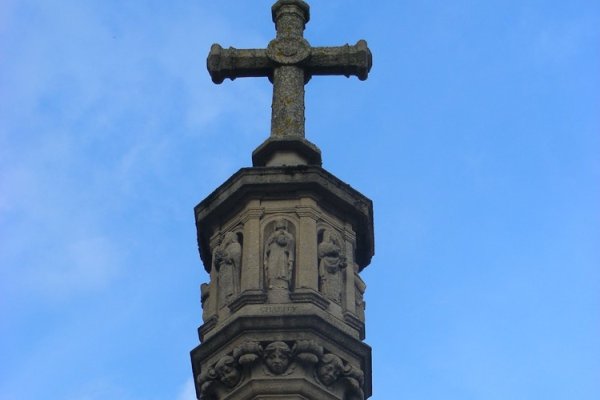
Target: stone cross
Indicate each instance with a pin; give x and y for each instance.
(289, 62)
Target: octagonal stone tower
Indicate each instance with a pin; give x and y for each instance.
(284, 243)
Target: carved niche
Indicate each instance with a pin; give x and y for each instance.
(332, 262)
(279, 254)
(227, 258)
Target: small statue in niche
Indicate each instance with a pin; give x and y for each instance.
(228, 257)
(331, 263)
(279, 256)
(359, 291)
(329, 369)
(205, 299)
(277, 357)
(227, 371)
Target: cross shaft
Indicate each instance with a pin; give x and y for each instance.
(289, 62)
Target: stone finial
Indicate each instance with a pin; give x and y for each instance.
(289, 61)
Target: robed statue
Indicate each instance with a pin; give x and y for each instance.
(331, 263)
(228, 258)
(279, 256)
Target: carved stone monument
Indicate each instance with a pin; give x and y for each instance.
(284, 243)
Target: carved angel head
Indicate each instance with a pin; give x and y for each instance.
(329, 369)
(277, 356)
(228, 371)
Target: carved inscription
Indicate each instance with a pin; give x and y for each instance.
(278, 309)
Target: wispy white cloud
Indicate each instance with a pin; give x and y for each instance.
(84, 127)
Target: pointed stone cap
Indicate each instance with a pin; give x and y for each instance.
(286, 151)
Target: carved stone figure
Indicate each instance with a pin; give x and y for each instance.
(330, 369)
(354, 381)
(279, 256)
(227, 371)
(228, 257)
(205, 298)
(277, 357)
(331, 263)
(359, 291)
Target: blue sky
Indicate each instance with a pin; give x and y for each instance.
(477, 136)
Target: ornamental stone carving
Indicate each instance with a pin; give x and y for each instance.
(279, 256)
(288, 50)
(308, 351)
(331, 263)
(228, 259)
(226, 372)
(205, 299)
(332, 370)
(277, 357)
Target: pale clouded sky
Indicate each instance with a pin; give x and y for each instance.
(476, 136)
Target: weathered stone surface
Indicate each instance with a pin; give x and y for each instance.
(289, 62)
(316, 183)
(284, 243)
(293, 225)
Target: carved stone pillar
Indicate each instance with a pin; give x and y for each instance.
(307, 274)
(284, 243)
(251, 275)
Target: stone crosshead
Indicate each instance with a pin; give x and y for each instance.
(289, 62)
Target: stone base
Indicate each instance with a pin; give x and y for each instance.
(286, 151)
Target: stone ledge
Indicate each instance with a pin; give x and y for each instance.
(355, 322)
(267, 153)
(248, 297)
(207, 326)
(309, 296)
(289, 389)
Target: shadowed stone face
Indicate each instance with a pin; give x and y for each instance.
(227, 371)
(330, 369)
(277, 357)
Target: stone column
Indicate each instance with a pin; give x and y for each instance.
(251, 276)
(349, 295)
(307, 275)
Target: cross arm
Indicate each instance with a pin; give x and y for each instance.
(345, 60)
(237, 63)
